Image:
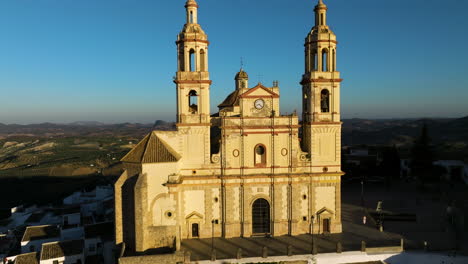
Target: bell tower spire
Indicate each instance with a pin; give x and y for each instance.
(192, 7)
(320, 14)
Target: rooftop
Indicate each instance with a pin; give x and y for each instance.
(151, 150)
(28, 258)
(61, 249)
(40, 232)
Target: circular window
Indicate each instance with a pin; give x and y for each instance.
(325, 169)
(235, 153)
(169, 214)
(260, 150)
(284, 152)
(216, 199)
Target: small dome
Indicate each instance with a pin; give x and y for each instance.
(242, 75)
(191, 3)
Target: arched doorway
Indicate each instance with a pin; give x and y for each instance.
(261, 217)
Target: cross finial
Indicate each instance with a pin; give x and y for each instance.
(242, 63)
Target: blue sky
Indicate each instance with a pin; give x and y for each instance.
(113, 60)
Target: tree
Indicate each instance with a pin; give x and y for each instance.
(390, 166)
(422, 157)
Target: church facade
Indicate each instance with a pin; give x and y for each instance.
(244, 171)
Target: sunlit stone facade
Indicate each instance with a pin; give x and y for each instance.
(244, 171)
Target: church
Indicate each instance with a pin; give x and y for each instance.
(244, 171)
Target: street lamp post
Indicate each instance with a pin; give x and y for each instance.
(212, 235)
(213, 222)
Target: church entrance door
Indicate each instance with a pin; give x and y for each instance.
(195, 230)
(260, 217)
(326, 225)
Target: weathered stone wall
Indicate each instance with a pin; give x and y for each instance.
(177, 257)
(161, 236)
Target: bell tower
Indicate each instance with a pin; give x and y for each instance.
(321, 95)
(192, 77)
(193, 87)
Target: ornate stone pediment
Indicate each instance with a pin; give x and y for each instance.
(194, 215)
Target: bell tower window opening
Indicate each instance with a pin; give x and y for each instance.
(324, 60)
(333, 60)
(260, 155)
(325, 101)
(191, 17)
(181, 59)
(315, 60)
(202, 60)
(193, 102)
(192, 60)
(321, 19)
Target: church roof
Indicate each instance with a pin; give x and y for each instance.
(259, 87)
(231, 100)
(151, 149)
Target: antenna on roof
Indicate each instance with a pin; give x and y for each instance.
(260, 78)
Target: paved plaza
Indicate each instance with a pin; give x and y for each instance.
(401, 198)
(353, 233)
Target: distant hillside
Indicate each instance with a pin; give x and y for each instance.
(449, 137)
(82, 128)
(401, 132)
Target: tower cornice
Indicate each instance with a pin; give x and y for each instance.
(192, 40)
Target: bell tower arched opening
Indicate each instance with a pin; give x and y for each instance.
(193, 102)
(325, 101)
(325, 60)
(192, 60)
(202, 60)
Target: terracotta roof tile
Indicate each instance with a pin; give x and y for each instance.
(40, 232)
(151, 150)
(61, 249)
(28, 258)
(231, 100)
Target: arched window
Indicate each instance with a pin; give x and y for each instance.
(260, 155)
(321, 19)
(325, 101)
(202, 60)
(192, 60)
(191, 16)
(324, 60)
(193, 102)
